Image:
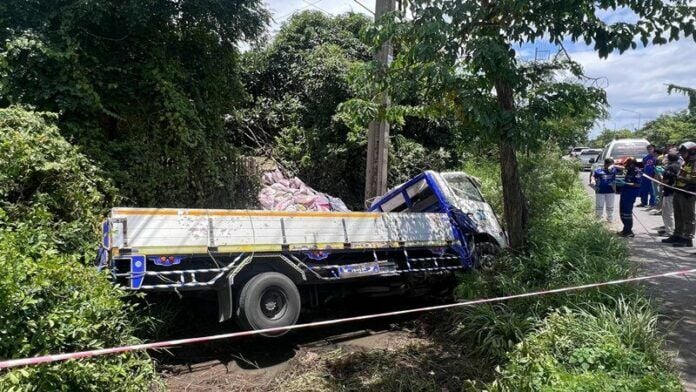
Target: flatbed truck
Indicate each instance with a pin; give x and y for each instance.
(265, 266)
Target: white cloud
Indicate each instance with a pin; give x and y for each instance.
(637, 80)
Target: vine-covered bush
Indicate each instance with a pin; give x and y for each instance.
(297, 82)
(142, 86)
(41, 172)
(51, 300)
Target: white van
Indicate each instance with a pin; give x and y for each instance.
(619, 150)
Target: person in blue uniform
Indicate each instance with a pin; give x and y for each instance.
(629, 193)
(647, 192)
(605, 187)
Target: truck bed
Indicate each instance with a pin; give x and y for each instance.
(190, 231)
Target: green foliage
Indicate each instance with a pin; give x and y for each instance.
(51, 201)
(43, 175)
(671, 128)
(688, 91)
(588, 340)
(461, 56)
(567, 247)
(428, 64)
(607, 135)
(297, 81)
(608, 348)
(142, 86)
(608, 341)
(52, 303)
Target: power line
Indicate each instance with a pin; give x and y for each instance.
(364, 6)
(304, 7)
(314, 5)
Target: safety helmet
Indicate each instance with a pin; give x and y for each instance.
(628, 161)
(687, 146)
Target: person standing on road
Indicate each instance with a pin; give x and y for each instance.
(684, 202)
(605, 188)
(669, 177)
(647, 192)
(629, 193)
(657, 188)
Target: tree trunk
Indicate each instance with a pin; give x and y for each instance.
(515, 204)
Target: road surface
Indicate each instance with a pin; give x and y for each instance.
(676, 295)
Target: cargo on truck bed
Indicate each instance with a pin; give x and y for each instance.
(266, 265)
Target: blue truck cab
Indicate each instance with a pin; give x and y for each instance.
(458, 195)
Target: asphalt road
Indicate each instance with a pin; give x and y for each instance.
(677, 295)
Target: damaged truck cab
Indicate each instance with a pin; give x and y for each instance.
(265, 266)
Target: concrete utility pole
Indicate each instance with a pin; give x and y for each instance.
(378, 132)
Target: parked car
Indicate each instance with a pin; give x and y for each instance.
(619, 150)
(575, 151)
(590, 154)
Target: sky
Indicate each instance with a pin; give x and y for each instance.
(635, 82)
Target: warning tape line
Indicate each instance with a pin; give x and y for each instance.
(670, 186)
(6, 364)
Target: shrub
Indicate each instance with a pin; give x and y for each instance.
(608, 348)
(51, 199)
(52, 303)
(41, 171)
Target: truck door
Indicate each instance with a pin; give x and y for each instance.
(470, 200)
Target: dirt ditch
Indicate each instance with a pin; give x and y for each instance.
(257, 364)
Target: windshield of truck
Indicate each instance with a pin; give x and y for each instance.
(462, 186)
(632, 149)
(591, 152)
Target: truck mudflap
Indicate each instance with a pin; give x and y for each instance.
(225, 300)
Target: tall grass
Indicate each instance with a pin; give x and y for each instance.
(609, 335)
(600, 347)
(567, 247)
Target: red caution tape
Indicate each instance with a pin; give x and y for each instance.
(669, 186)
(11, 363)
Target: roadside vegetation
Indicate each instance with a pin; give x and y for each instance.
(52, 299)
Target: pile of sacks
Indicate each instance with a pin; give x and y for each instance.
(279, 193)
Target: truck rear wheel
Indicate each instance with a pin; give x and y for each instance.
(268, 300)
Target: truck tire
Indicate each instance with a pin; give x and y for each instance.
(268, 300)
(485, 253)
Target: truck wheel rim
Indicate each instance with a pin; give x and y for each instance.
(486, 262)
(273, 303)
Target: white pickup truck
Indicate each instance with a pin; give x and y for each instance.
(266, 265)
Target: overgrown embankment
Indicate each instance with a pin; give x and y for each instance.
(594, 339)
(51, 299)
